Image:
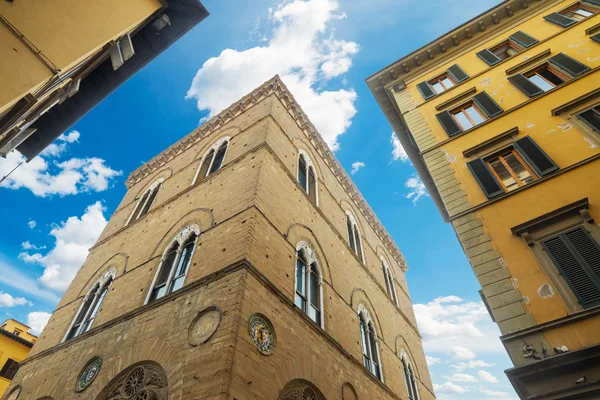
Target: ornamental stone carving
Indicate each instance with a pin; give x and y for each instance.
(204, 326)
(301, 390)
(142, 382)
(88, 374)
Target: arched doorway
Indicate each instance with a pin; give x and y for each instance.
(300, 389)
(145, 380)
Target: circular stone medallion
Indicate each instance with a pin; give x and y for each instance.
(261, 332)
(88, 374)
(204, 326)
(14, 394)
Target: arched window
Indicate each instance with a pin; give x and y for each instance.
(309, 283)
(212, 160)
(145, 202)
(143, 380)
(368, 341)
(389, 281)
(307, 176)
(174, 264)
(354, 236)
(409, 376)
(90, 306)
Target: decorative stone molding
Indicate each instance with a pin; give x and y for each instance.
(301, 390)
(274, 86)
(143, 381)
(204, 326)
(364, 312)
(307, 158)
(311, 257)
(181, 238)
(106, 277)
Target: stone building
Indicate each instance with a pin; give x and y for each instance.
(501, 117)
(242, 264)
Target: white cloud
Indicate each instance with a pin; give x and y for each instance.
(460, 353)
(14, 278)
(7, 300)
(432, 360)
(45, 176)
(356, 166)
(471, 364)
(398, 153)
(37, 320)
(31, 224)
(486, 376)
(73, 238)
(493, 393)
(28, 246)
(448, 387)
(463, 378)
(416, 189)
(300, 48)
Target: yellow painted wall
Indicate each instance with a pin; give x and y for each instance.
(12, 349)
(66, 31)
(563, 143)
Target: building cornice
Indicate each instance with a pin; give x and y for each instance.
(274, 86)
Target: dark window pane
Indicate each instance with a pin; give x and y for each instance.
(302, 173)
(9, 370)
(150, 201)
(205, 164)
(350, 234)
(363, 341)
(219, 158)
(591, 118)
(140, 206)
(314, 287)
(301, 274)
(165, 269)
(358, 243)
(312, 186)
(96, 307)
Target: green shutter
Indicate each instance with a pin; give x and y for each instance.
(489, 57)
(535, 156)
(572, 66)
(596, 38)
(594, 2)
(426, 90)
(448, 123)
(525, 85)
(523, 39)
(485, 178)
(487, 104)
(560, 20)
(457, 73)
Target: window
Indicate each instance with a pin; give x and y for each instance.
(409, 377)
(546, 77)
(174, 264)
(91, 305)
(591, 118)
(368, 341)
(572, 15)
(442, 83)
(9, 370)
(389, 281)
(516, 43)
(453, 76)
(309, 285)
(16, 332)
(512, 167)
(145, 202)
(212, 160)
(307, 177)
(467, 116)
(354, 237)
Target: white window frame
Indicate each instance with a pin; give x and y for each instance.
(410, 372)
(309, 165)
(105, 280)
(137, 209)
(390, 277)
(311, 259)
(355, 226)
(180, 239)
(365, 316)
(214, 147)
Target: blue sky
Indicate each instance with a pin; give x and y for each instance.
(58, 204)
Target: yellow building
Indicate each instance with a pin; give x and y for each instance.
(15, 344)
(501, 118)
(60, 58)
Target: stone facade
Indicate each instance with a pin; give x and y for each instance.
(251, 214)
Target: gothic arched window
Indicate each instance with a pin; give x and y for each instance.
(309, 283)
(212, 160)
(307, 176)
(389, 281)
(354, 237)
(409, 376)
(174, 264)
(145, 201)
(368, 341)
(90, 306)
(144, 380)
(300, 389)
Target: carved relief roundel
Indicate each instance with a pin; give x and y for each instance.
(261, 332)
(204, 326)
(88, 374)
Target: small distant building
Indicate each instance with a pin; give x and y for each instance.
(15, 344)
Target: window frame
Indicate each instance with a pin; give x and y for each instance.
(355, 237)
(462, 109)
(93, 300)
(552, 69)
(309, 167)
(510, 44)
(180, 240)
(311, 266)
(388, 276)
(372, 343)
(214, 148)
(409, 376)
(9, 369)
(578, 6)
(499, 155)
(439, 79)
(148, 194)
